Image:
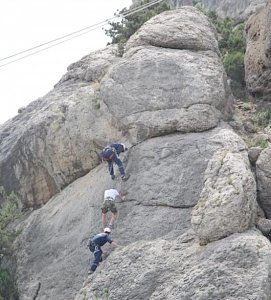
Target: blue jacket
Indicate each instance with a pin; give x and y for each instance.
(101, 239)
(119, 148)
(112, 151)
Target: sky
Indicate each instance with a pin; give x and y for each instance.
(28, 23)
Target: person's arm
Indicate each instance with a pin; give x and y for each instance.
(114, 244)
(121, 197)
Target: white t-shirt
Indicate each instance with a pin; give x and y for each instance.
(112, 193)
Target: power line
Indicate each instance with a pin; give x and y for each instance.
(72, 35)
(38, 46)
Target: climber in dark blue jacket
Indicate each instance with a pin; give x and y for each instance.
(98, 241)
(111, 154)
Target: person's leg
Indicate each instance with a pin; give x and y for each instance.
(105, 209)
(113, 219)
(119, 164)
(104, 220)
(97, 259)
(114, 212)
(110, 167)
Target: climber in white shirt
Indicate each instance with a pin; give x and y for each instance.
(109, 203)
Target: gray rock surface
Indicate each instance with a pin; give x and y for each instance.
(194, 97)
(258, 54)
(167, 176)
(263, 174)
(189, 102)
(227, 203)
(91, 68)
(264, 225)
(168, 103)
(238, 10)
(151, 91)
(185, 28)
(58, 137)
(253, 154)
(237, 267)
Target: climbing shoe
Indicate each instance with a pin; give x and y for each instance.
(125, 177)
(113, 177)
(90, 272)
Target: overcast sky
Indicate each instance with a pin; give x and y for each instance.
(27, 23)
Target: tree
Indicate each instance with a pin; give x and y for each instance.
(232, 46)
(234, 66)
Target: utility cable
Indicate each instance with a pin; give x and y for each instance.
(43, 49)
(88, 28)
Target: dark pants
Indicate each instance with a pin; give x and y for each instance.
(97, 258)
(118, 162)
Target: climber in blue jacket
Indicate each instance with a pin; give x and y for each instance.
(111, 154)
(97, 242)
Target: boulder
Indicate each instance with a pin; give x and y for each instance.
(227, 202)
(185, 28)
(236, 267)
(90, 68)
(264, 225)
(253, 154)
(263, 174)
(258, 54)
(137, 89)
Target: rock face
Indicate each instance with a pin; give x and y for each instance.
(263, 166)
(102, 98)
(197, 96)
(237, 10)
(258, 54)
(167, 176)
(167, 97)
(179, 269)
(57, 138)
(229, 193)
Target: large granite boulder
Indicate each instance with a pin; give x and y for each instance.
(171, 78)
(258, 54)
(237, 267)
(167, 176)
(183, 29)
(227, 202)
(263, 173)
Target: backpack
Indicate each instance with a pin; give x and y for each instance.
(108, 153)
(91, 245)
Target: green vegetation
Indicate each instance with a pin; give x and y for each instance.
(10, 211)
(8, 289)
(234, 66)
(259, 141)
(263, 117)
(121, 31)
(232, 46)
